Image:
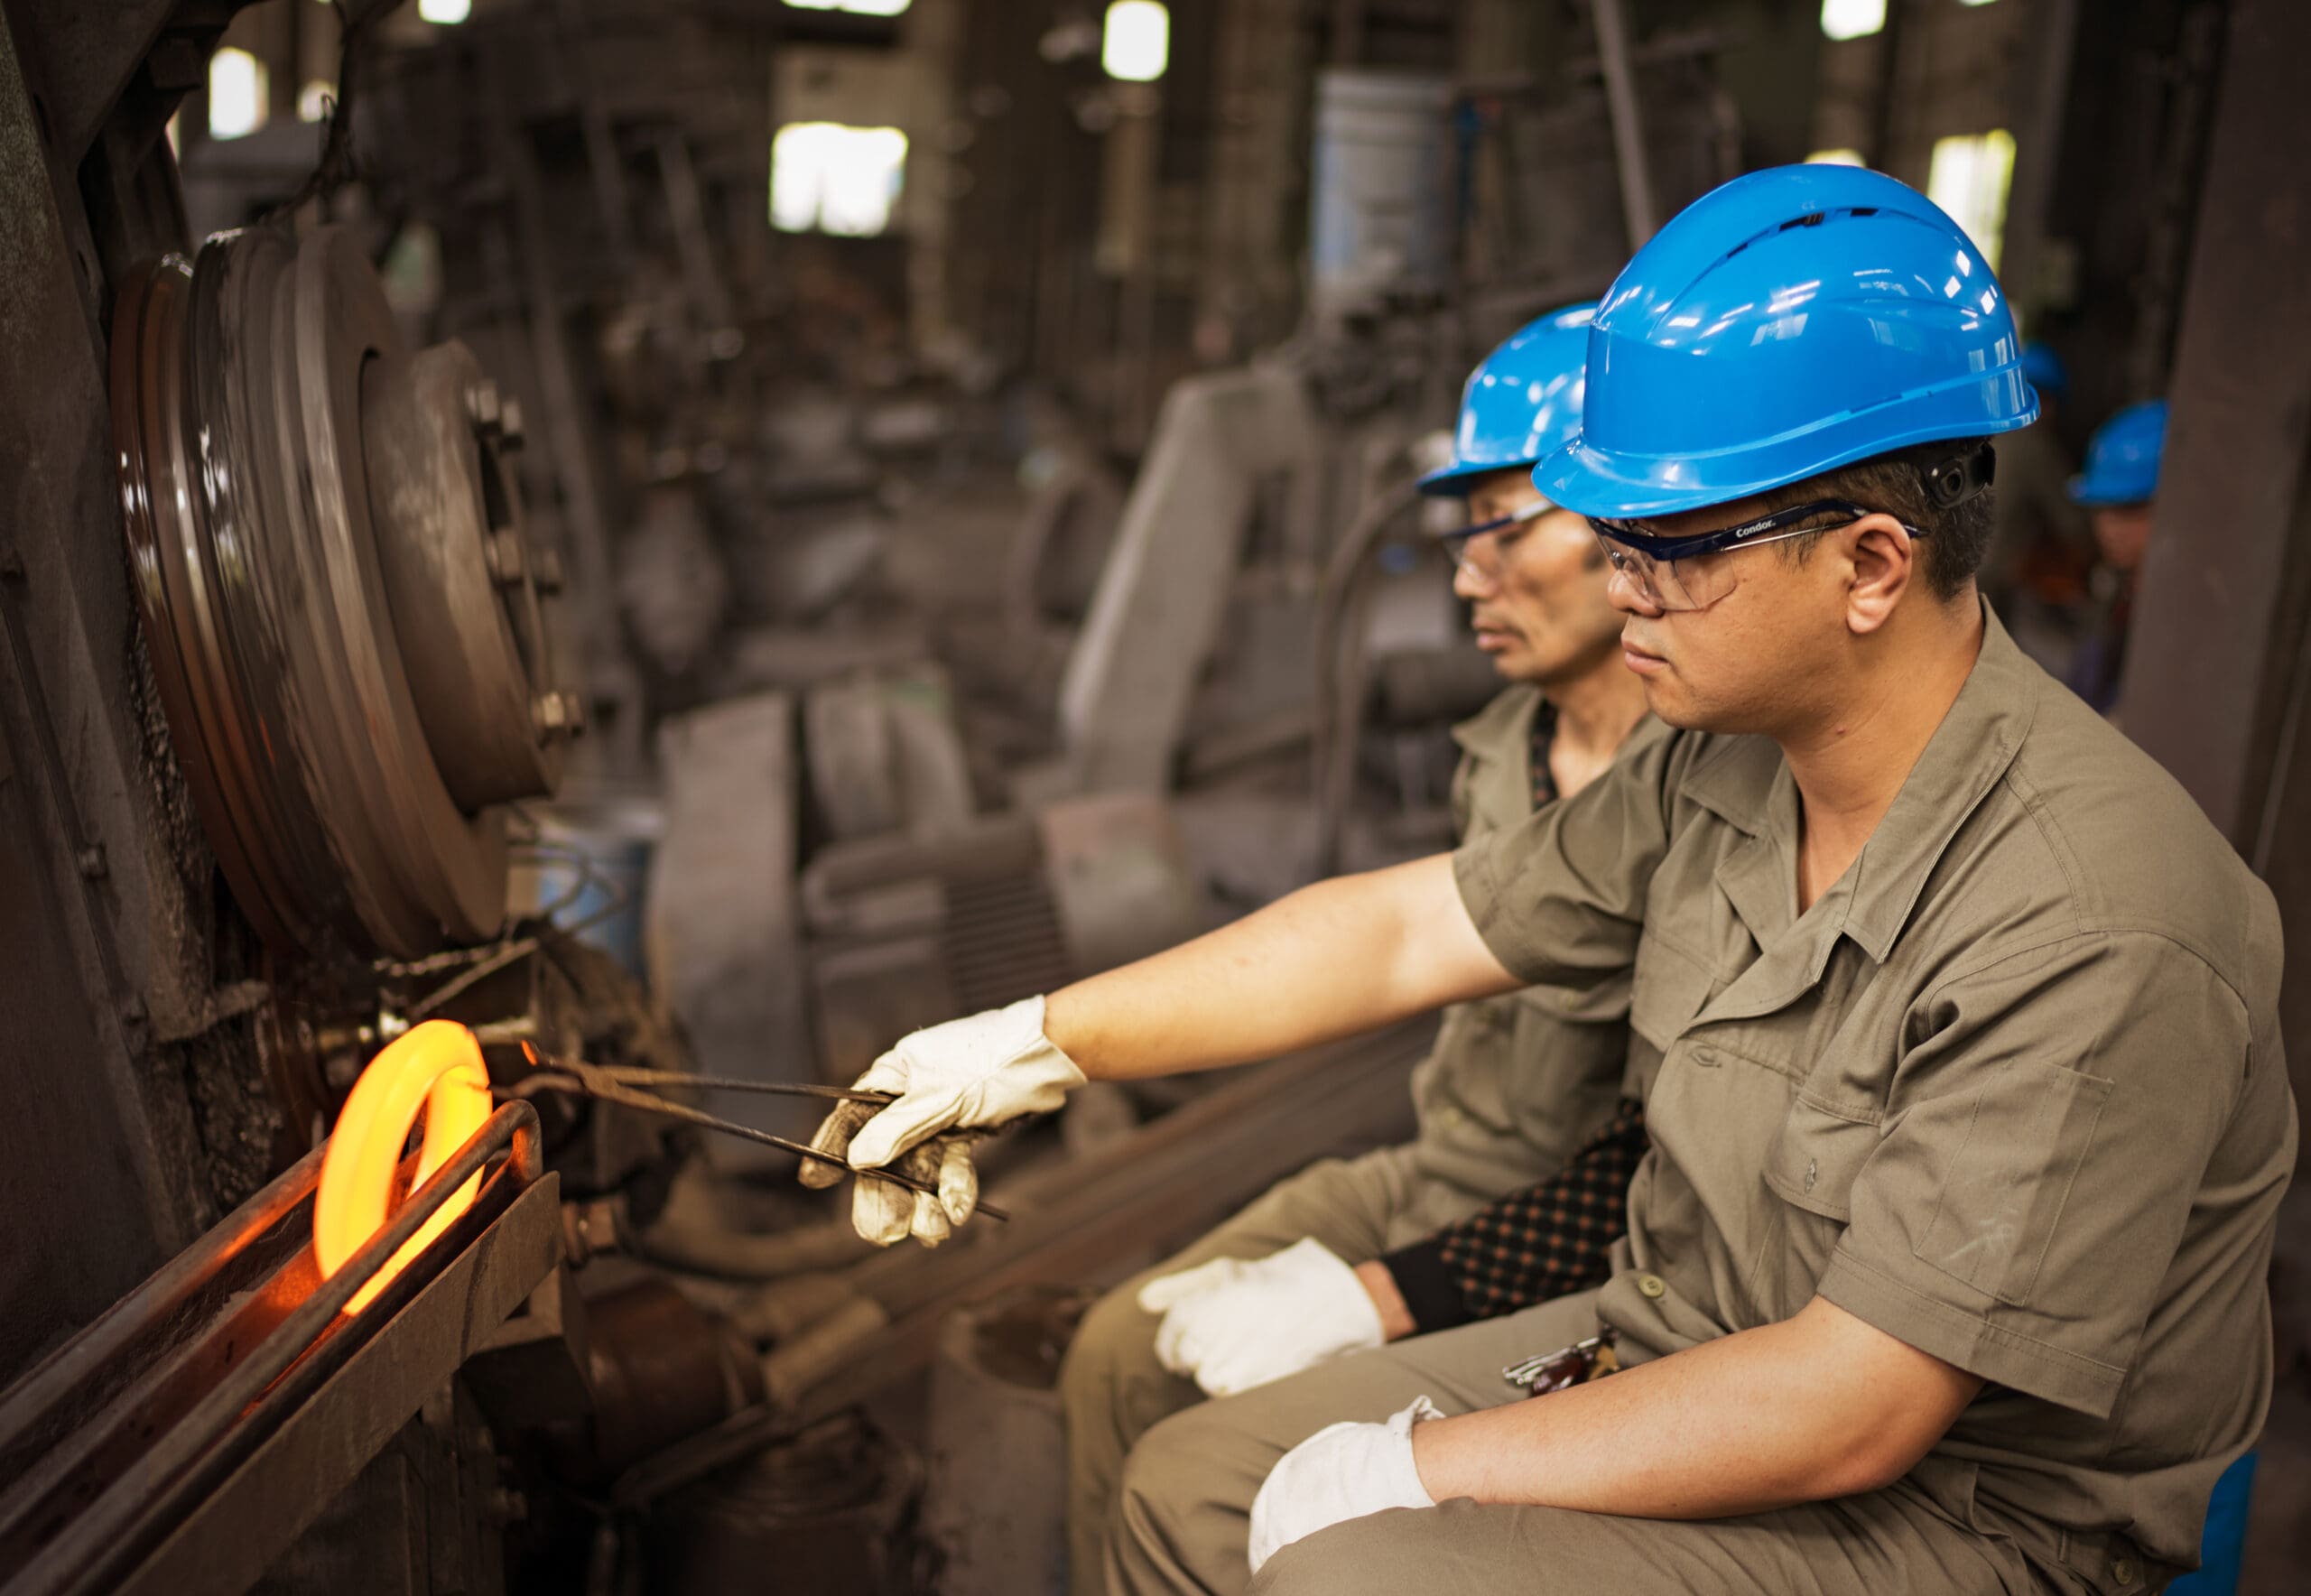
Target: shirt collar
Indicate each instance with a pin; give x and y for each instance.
(1968, 754)
(1483, 735)
(1734, 781)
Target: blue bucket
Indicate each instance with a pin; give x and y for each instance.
(590, 868)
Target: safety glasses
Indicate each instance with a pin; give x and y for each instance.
(1456, 541)
(1695, 572)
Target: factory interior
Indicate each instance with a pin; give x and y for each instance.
(923, 501)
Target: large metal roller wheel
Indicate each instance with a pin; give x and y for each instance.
(305, 717)
(460, 574)
(218, 680)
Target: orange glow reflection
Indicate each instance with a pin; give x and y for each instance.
(436, 1068)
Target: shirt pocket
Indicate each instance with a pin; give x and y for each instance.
(1818, 1153)
(2029, 1132)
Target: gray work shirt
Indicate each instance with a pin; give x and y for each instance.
(1515, 1084)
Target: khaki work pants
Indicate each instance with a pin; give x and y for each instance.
(1182, 1514)
(1112, 1390)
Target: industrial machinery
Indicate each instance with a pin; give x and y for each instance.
(341, 606)
(279, 670)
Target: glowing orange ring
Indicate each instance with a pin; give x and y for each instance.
(435, 1067)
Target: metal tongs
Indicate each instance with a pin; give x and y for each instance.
(622, 1084)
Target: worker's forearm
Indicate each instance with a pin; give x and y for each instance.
(1330, 961)
(1772, 1416)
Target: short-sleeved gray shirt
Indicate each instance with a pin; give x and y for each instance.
(2011, 1091)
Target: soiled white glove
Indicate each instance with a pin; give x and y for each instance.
(970, 1073)
(1341, 1472)
(884, 1212)
(1229, 1325)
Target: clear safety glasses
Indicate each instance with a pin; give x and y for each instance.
(1695, 572)
(1457, 542)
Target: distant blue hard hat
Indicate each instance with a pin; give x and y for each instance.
(2122, 457)
(1520, 403)
(2043, 370)
(1794, 321)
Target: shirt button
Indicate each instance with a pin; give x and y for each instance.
(1813, 1169)
(1652, 1285)
(2123, 1571)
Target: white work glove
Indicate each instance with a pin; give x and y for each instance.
(884, 1212)
(1341, 1473)
(1229, 1325)
(968, 1074)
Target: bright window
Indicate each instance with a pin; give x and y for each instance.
(447, 13)
(1852, 19)
(829, 178)
(312, 100)
(855, 7)
(1969, 178)
(1835, 158)
(236, 94)
(1137, 44)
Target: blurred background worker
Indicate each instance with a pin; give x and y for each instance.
(2040, 551)
(1345, 1254)
(2117, 487)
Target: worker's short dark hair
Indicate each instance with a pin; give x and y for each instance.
(1956, 536)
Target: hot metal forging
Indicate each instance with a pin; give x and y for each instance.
(343, 621)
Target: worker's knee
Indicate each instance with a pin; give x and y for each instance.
(1167, 1476)
(1360, 1555)
(1115, 1343)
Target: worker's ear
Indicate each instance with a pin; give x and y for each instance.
(1879, 561)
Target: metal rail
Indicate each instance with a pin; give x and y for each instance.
(140, 1438)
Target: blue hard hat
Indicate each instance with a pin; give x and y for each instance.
(2044, 369)
(1521, 402)
(1794, 321)
(2122, 457)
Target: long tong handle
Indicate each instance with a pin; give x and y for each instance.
(635, 1075)
(649, 1103)
(627, 1076)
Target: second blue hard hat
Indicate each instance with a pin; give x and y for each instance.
(1521, 402)
(2043, 370)
(1794, 321)
(2122, 458)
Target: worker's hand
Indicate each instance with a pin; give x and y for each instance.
(884, 1212)
(968, 1074)
(1230, 1325)
(1342, 1472)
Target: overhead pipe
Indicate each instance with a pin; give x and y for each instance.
(1637, 209)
